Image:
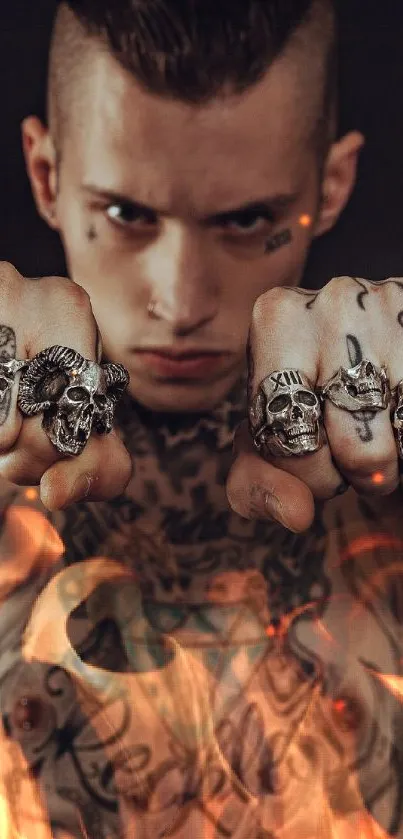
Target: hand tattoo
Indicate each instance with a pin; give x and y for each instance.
(311, 295)
(7, 351)
(355, 356)
(376, 284)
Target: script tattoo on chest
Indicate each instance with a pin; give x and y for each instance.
(201, 572)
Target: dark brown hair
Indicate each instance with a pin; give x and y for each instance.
(192, 49)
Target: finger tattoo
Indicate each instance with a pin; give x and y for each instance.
(310, 295)
(376, 284)
(8, 350)
(364, 418)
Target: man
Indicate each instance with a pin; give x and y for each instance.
(189, 161)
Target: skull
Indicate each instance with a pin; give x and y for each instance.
(8, 368)
(6, 378)
(75, 395)
(82, 405)
(398, 419)
(361, 388)
(285, 418)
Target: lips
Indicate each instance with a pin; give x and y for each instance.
(187, 365)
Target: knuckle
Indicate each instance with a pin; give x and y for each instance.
(71, 303)
(334, 308)
(276, 303)
(390, 289)
(336, 293)
(78, 297)
(8, 270)
(337, 286)
(61, 289)
(10, 278)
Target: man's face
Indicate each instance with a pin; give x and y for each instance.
(184, 207)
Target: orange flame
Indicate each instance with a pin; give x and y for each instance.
(22, 813)
(368, 828)
(29, 543)
(394, 684)
(368, 543)
(185, 698)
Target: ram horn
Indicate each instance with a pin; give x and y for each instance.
(117, 379)
(257, 415)
(40, 372)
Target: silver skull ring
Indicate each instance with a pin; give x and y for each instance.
(75, 395)
(285, 416)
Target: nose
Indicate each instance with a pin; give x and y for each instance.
(296, 412)
(181, 286)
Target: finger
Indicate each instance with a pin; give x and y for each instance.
(283, 336)
(362, 443)
(364, 449)
(12, 346)
(59, 313)
(257, 489)
(65, 317)
(101, 472)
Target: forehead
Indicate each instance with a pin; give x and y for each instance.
(169, 152)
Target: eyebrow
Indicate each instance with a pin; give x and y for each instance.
(280, 201)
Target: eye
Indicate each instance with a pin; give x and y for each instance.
(51, 387)
(248, 223)
(278, 404)
(100, 401)
(77, 394)
(306, 398)
(131, 215)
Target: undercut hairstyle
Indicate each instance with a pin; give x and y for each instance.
(192, 50)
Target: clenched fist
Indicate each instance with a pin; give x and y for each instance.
(35, 316)
(325, 405)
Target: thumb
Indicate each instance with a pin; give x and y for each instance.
(258, 490)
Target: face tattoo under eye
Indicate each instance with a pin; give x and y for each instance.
(284, 237)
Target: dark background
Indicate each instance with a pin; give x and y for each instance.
(368, 239)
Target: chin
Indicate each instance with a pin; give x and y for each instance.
(195, 398)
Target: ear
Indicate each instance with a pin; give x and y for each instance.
(41, 163)
(339, 177)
